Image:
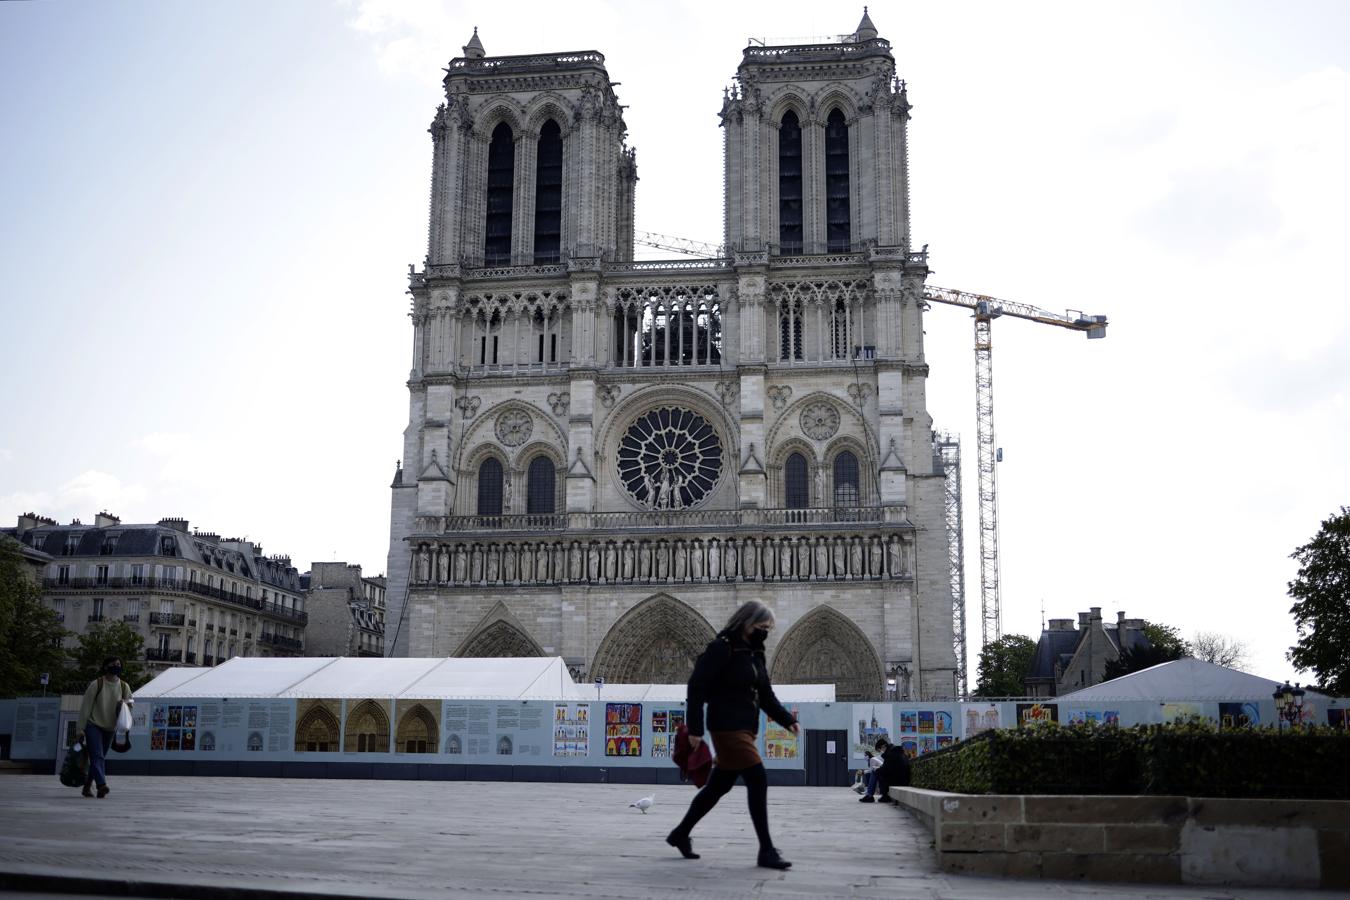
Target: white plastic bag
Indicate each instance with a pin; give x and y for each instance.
(124, 718)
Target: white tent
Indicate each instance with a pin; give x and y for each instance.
(421, 678)
(520, 678)
(1178, 681)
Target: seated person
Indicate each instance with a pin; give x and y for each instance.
(893, 772)
(867, 780)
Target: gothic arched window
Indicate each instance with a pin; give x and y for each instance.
(789, 185)
(846, 483)
(796, 483)
(500, 191)
(548, 196)
(837, 228)
(540, 494)
(490, 488)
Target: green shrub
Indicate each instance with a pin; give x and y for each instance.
(1191, 759)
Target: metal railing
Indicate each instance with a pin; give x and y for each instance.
(179, 584)
(693, 520)
(170, 620)
(170, 654)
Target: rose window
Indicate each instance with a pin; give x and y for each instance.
(670, 459)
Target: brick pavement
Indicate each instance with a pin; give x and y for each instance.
(209, 837)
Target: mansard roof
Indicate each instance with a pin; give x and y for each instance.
(1053, 647)
(132, 540)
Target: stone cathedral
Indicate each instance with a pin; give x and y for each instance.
(604, 457)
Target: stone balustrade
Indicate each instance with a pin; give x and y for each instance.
(696, 520)
(478, 559)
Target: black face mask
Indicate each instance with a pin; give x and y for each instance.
(114, 670)
(757, 637)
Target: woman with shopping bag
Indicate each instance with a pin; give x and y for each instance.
(106, 708)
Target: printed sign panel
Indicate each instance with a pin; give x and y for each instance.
(571, 729)
(623, 729)
(665, 722)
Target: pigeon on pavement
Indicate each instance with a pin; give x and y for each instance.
(644, 804)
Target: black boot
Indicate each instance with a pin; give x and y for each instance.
(770, 859)
(682, 844)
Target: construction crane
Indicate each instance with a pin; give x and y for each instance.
(986, 310)
(686, 246)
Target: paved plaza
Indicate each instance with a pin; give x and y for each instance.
(186, 837)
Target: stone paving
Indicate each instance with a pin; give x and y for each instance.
(170, 836)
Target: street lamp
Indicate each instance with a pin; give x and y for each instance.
(1288, 704)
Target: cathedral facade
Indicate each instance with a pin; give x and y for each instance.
(605, 457)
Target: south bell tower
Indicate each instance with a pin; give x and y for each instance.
(816, 148)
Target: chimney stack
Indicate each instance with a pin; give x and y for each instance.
(1082, 620)
(106, 519)
(175, 524)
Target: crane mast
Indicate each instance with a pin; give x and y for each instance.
(947, 459)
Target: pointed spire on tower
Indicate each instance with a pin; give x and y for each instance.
(865, 31)
(474, 48)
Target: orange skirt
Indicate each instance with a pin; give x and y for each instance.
(735, 750)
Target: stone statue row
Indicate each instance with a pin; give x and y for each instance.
(842, 557)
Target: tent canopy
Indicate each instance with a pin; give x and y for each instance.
(421, 678)
(1180, 680)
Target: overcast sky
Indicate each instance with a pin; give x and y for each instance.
(207, 212)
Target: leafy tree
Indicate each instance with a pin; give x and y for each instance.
(30, 633)
(1168, 640)
(1321, 609)
(101, 641)
(1220, 649)
(1164, 645)
(1003, 665)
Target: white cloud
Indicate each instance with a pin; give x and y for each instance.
(410, 37)
(93, 491)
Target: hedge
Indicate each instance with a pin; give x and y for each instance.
(1186, 759)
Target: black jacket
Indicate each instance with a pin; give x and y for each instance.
(733, 679)
(894, 767)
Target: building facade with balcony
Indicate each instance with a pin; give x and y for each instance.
(604, 457)
(195, 599)
(345, 609)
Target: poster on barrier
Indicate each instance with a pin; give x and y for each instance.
(665, 722)
(623, 729)
(571, 729)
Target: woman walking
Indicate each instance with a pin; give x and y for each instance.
(102, 702)
(732, 679)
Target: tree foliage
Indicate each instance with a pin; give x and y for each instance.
(1220, 649)
(30, 633)
(1004, 663)
(1168, 640)
(1321, 610)
(102, 641)
(1165, 644)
